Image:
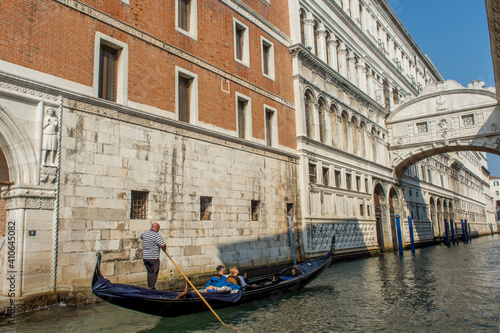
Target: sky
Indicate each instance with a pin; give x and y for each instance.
(454, 34)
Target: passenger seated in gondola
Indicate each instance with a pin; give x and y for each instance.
(218, 282)
(235, 278)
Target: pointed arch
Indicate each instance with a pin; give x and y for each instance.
(354, 135)
(345, 128)
(333, 122)
(309, 112)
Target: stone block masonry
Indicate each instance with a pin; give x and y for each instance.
(167, 169)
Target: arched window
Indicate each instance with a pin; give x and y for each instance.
(321, 119)
(333, 122)
(354, 135)
(374, 144)
(309, 111)
(345, 128)
(362, 134)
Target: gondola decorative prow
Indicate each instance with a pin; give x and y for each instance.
(97, 269)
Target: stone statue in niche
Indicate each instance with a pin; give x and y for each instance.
(49, 140)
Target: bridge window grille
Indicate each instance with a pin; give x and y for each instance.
(468, 120)
(422, 128)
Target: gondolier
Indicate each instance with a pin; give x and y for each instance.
(152, 243)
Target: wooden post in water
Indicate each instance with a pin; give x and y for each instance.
(446, 236)
(466, 231)
(412, 240)
(463, 231)
(452, 231)
(400, 239)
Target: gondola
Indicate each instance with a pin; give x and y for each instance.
(172, 304)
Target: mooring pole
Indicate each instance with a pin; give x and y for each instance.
(400, 239)
(452, 231)
(446, 237)
(466, 224)
(463, 230)
(412, 240)
(291, 239)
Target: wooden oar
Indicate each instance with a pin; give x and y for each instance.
(194, 288)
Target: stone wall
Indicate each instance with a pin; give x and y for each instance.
(107, 154)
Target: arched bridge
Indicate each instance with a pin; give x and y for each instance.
(445, 117)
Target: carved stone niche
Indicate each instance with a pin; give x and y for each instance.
(35, 197)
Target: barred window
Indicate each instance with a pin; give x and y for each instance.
(205, 208)
(255, 210)
(138, 207)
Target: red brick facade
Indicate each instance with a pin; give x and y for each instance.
(53, 38)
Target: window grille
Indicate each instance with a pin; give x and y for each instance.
(139, 205)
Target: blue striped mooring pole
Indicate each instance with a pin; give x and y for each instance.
(412, 241)
(398, 227)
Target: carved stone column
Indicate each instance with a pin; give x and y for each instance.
(342, 56)
(332, 53)
(351, 65)
(360, 69)
(309, 32)
(321, 40)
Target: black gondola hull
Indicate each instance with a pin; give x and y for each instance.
(166, 303)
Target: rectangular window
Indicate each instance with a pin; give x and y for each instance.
(138, 205)
(361, 210)
(108, 66)
(267, 58)
(255, 207)
(184, 98)
(312, 173)
(497, 192)
(338, 178)
(186, 17)
(187, 96)
(368, 211)
(241, 48)
(269, 126)
(326, 176)
(422, 128)
(358, 183)
(348, 181)
(205, 208)
(367, 187)
(242, 106)
(184, 11)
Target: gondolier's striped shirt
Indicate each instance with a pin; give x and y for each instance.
(151, 244)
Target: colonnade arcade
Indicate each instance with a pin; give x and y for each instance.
(341, 128)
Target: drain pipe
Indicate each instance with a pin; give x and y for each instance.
(291, 239)
(55, 227)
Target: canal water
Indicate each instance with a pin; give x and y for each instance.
(438, 289)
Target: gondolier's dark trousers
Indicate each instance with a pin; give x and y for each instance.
(153, 267)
